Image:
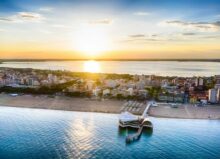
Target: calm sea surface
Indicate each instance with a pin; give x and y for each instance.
(35, 133)
(165, 68)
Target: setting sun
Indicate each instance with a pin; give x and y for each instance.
(91, 40)
(91, 66)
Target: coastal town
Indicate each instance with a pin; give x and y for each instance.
(193, 90)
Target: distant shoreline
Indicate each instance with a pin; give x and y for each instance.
(45, 60)
(97, 73)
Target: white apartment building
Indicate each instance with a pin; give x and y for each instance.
(213, 95)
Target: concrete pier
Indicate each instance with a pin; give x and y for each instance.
(137, 135)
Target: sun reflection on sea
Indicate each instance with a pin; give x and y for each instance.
(81, 132)
(91, 66)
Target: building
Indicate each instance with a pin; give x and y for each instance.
(106, 92)
(126, 119)
(217, 84)
(90, 85)
(96, 92)
(199, 81)
(30, 81)
(130, 91)
(110, 83)
(218, 95)
(36, 83)
(217, 77)
(140, 85)
(213, 95)
(172, 97)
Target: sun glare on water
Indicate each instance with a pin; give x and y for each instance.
(91, 40)
(92, 66)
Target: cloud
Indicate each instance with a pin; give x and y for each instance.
(29, 16)
(201, 26)
(46, 9)
(141, 13)
(101, 21)
(165, 37)
(188, 34)
(2, 30)
(217, 16)
(45, 32)
(23, 17)
(142, 38)
(137, 36)
(60, 26)
(212, 37)
(5, 19)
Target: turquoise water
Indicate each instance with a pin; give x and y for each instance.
(35, 133)
(163, 68)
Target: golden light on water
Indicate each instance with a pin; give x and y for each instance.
(91, 66)
(79, 130)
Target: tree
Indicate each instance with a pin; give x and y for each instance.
(119, 96)
(153, 92)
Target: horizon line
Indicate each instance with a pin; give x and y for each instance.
(108, 59)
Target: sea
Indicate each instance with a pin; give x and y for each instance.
(53, 134)
(161, 68)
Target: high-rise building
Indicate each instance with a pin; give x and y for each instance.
(199, 81)
(217, 84)
(218, 95)
(217, 77)
(30, 81)
(213, 95)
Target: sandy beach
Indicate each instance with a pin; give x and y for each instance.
(61, 103)
(186, 111)
(107, 106)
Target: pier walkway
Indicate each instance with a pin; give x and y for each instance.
(137, 135)
(144, 114)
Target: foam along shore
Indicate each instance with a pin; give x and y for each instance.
(106, 106)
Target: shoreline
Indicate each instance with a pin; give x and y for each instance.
(79, 73)
(106, 106)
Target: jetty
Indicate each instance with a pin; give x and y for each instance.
(144, 114)
(135, 136)
(129, 120)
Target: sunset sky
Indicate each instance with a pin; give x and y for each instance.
(113, 29)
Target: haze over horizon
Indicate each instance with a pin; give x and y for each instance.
(123, 29)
